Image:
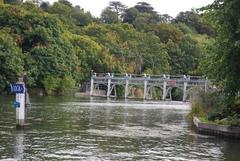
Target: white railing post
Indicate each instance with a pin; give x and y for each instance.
(145, 86)
(185, 83)
(126, 86)
(164, 87)
(109, 85)
(92, 84)
(206, 85)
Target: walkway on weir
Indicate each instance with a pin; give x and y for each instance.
(110, 81)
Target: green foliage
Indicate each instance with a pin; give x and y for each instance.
(198, 111)
(168, 32)
(14, 2)
(51, 84)
(211, 107)
(67, 83)
(144, 7)
(224, 57)
(120, 91)
(137, 51)
(191, 54)
(62, 41)
(130, 15)
(117, 7)
(11, 64)
(55, 85)
(109, 16)
(92, 56)
(194, 21)
(69, 15)
(208, 106)
(177, 94)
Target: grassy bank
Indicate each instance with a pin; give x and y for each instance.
(212, 107)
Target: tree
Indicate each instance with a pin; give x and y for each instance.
(190, 54)
(41, 38)
(109, 16)
(15, 2)
(167, 32)
(44, 5)
(117, 7)
(224, 66)
(165, 18)
(81, 18)
(65, 2)
(144, 7)
(93, 56)
(11, 63)
(130, 15)
(194, 20)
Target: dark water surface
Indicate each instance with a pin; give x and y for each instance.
(61, 128)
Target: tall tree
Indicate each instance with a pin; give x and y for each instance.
(224, 66)
(165, 18)
(193, 20)
(11, 62)
(130, 15)
(117, 7)
(144, 7)
(109, 16)
(12, 1)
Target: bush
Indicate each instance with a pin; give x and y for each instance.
(197, 110)
(51, 84)
(54, 85)
(66, 84)
(211, 107)
(207, 105)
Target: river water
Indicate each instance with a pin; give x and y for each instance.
(61, 128)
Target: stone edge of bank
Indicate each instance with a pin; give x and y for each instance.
(216, 130)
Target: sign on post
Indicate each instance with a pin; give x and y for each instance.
(17, 88)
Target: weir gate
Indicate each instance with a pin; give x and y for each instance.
(105, 84)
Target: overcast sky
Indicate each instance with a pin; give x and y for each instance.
(171, 7)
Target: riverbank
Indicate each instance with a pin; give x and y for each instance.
(212, 115)
(215, 129)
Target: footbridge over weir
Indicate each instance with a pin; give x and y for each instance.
(108, 82)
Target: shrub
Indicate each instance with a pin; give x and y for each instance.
(206, 105)
(55, 85)
(51, 84)
(66, 84)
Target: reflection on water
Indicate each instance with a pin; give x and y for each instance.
(19, 145)
(104, 129)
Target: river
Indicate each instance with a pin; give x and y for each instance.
(63, 128)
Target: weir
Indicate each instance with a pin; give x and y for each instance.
(110, 81)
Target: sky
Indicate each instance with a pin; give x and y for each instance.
(171, 7)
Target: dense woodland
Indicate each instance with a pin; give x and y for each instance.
(59, 45)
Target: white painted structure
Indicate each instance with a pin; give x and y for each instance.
(20, 103)
(165, 82)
